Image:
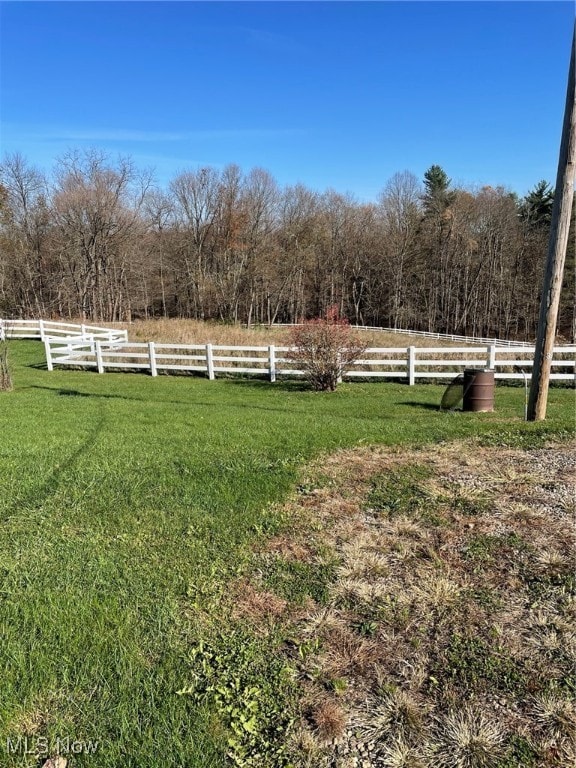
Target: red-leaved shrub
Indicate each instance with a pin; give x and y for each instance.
(325, 349)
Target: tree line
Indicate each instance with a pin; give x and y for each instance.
(99, 240)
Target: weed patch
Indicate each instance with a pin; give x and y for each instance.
(400, 493)
(474, 663)
(298, 581)
(248, 692)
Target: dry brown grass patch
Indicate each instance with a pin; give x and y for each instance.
(467, 739)
(399, 754)
(346, 654)
(256, 605)
(395, 714)
(186, 331)
(556, 715)
(289, 549)
(524, 552)
(439, 614)
(329, 720)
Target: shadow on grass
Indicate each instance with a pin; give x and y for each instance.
(38, 495)
(422, 406)
(76, 393)
(284, 385)
(188, 403)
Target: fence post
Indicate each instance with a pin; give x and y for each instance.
(272, 361)
(209, 362)
(411, 366)
(99, 360)
(151, 350)
(2, 330)
(49, 364)
(83, 330)
(41, 328)
(491, 356)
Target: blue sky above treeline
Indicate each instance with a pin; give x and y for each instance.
(328, 94)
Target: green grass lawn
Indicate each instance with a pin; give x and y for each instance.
(127, 504)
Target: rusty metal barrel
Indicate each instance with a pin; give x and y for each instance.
(478, 390)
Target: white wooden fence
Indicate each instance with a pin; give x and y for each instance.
(407, 363)
(452, 337)
(430, 335)
(87, 346)
(42, 329)
(38, 329)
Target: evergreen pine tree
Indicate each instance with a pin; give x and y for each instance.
(536, 207)
(437, 197)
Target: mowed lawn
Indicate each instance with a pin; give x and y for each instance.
(127, 503)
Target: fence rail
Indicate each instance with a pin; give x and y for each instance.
(42, 329)
(451, 337)
(431, 335)
(407, 363)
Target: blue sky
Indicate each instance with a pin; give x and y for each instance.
(329, 94)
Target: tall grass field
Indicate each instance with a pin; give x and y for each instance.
(128, 505)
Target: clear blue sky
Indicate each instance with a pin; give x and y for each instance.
(330, 94)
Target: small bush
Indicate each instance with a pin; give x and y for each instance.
(325, 349)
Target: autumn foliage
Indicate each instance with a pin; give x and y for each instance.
(325, 348)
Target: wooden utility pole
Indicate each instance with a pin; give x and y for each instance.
(560, 226)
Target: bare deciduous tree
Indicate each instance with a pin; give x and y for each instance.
(97, 206)
(99, 242)
(24, 218)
